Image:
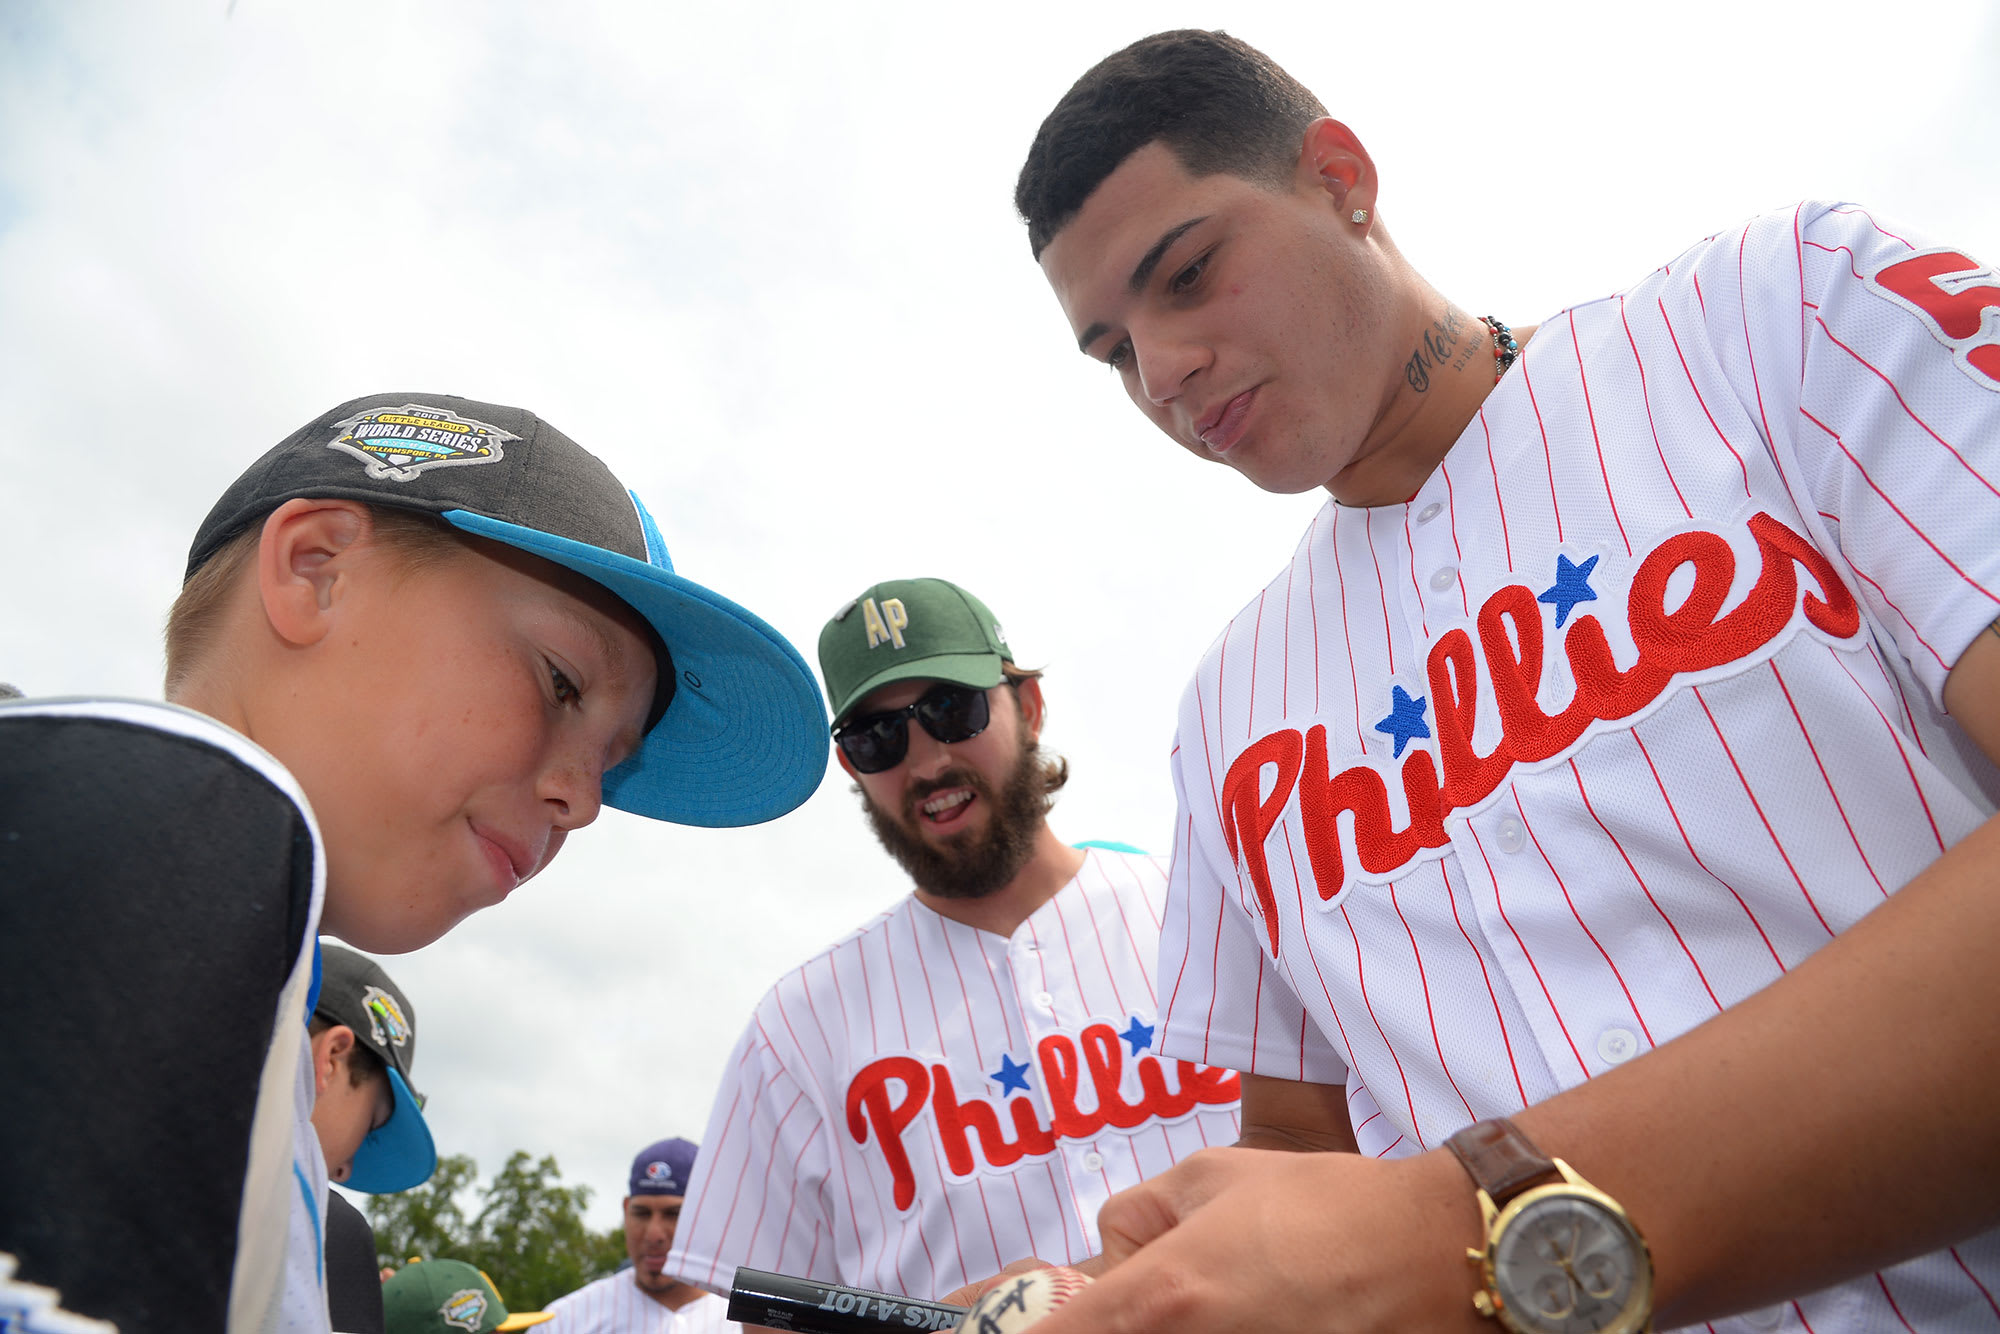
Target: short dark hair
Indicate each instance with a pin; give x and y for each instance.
(1218, 103)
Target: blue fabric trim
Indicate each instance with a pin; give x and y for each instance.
(1108, 846)
(312, 1211)
(312, 993)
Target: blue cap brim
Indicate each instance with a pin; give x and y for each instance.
(398, 1156)
(744, 740)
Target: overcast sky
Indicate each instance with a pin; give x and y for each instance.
(762, 259)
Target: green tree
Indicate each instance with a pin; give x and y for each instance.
(528, 1232)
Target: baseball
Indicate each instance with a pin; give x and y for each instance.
(1022, 1300)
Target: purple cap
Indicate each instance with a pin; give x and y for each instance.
(663, 1168)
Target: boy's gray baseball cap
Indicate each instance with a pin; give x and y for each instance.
(399, 1154)
(742, 739)
(904, 628)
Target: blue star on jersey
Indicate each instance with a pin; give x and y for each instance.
(1012, 1077)
(1405, 720)
(1139, 1035)
(1572, 586)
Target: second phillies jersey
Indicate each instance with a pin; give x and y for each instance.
(615, 1305)
(1630, 709)
(926, 1102)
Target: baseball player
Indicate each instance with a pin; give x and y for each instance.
(646, 1299)
(1608, 777)
(962, 1082)
(421, 641)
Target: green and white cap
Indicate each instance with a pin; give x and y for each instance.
(907, 628)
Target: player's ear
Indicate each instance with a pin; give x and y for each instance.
(1034, 709)
(846, 764)
(302, 558)
(1333, 162)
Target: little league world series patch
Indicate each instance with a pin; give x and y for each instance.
(398, 444)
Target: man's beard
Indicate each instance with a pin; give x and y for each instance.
(969, 867)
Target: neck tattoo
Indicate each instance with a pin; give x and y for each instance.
(1505, 349)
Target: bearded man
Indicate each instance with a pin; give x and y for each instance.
(966, 1079)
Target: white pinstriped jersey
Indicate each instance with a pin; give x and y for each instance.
(615, 1305)
(1631, 708)
(927, 1102)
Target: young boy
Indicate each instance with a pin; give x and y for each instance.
(420, 642)
(369, 1122)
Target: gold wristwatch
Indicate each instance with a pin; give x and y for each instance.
(1561, 1256)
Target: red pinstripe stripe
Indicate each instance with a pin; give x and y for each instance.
(1590, 412)
(1256, 643)
(1870, 219)
(1617, 976)
(1681, 829)
(971, 1015)
(1540, 981)
(1041, 961)
(951, 1214)
(1069, 1251)
(1479, 958)
(1826, 778)
(812, 1007)
(1304, 1019)
(1451, 517)
(895, 982)
(1381, 588)
(813, 1259)
(1643, 887)
(1423, 979)
(1758, 806)
(992, 1233)
(839, 993)
(1021, 1200)
(1346, 634)
(1499, 501)
(1392, 1146)
(1719, 434)
(988, 946)
(1799, 254)
(1960, 1260)
(1357, 1129)
(1118, 897)
(1799, 1311)
(1853, 265)
(1312, 605)
(728, 1125)
(1069, 950)
(1299, 892)
(930, 988)
(1884, 1284)
(1257, 1007)
(930, 1261)
(792, 1209)
(1555, 506)
(1201, 716)
(1214, 972)
(1749, 348)
(1187, 933)
(1915, 633)
(1646, 397)
(1897, 509)
(1908, 411)
(1904, 755)
(1361, 981)
(1699, 299)
(1410, 545)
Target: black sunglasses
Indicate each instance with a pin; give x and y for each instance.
(878, 741)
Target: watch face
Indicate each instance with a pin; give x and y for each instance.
(1565, 1264)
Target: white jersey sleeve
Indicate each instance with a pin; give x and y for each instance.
(614, 1304)
(1890, 445)
(757, 1194)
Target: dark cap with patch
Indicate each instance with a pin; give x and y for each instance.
(744, 737)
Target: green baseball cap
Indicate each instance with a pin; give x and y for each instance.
(448, 1297)
(905, 628)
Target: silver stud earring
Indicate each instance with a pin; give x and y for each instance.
(1360, 216)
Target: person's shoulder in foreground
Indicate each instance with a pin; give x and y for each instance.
(449, 1297)
(430, 638)
(1611, 771)
(1012, 987)
(644, 1299)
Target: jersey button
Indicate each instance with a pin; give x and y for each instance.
(1513, 834)
(1091, 1162)
(1045, 1000)
(1765, 1317)
(1444, 579)
(1617, 1045)
(1429, 512)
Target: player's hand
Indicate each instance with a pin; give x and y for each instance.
(1285, 1243)
(972, 1292)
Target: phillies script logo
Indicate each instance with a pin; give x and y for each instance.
(1959, 298)
(887, 1095)
(1672, 637)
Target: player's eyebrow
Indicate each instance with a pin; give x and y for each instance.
(1141, 272)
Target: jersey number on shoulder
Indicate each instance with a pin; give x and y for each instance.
(1959, 298)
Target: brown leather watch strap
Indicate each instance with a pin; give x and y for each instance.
(1501, 1160)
